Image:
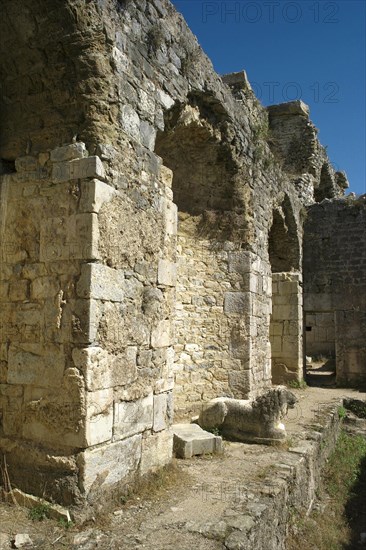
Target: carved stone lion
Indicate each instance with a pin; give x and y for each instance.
(250, 421)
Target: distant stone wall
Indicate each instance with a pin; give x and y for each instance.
(222, 302)
(335, 284)
(286, 327)
(320, 334)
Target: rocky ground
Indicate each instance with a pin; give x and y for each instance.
(197, 507)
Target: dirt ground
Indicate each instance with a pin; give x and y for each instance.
(185, 513)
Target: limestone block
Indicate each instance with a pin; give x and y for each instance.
(166, 382)
(90, 167)
(133, 417)
(101, 282)
(191, 347)
(276, 344)
(69, 152)
(99, 416)
(240, 383)
(104, 370)
(12, 412)
(83, 230)
(166, 176)
(33, 364)
(73, 238)
(167, 273)
(109, 464)
(44, 287)
(296, 107)
(26, 164)
(262, 306)
(284, 312)
(18, 290)
(290, 347)
(94, 194)
(85, 319)
(277, 328)
(56, 415)
(130, 122)
(236, 302)
(160, 336)
(170, 213)
(157, 451)
(55, 511)
(288, 287)
(191, 440)
(147, 135)
(317, 302)
(240, 262)
(166, 100)
(253, 283)
(121, 60)
(160, 412)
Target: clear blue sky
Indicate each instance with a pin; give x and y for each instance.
(306, 49)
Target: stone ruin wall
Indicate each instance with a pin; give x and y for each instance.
(335, 285)
(143, 258)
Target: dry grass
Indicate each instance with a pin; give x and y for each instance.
(328, 528)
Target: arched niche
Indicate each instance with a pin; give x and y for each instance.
(283, 240)
(195, 146)
(326, 187)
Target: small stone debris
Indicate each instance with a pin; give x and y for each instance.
(22, 540)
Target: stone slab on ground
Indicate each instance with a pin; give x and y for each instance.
(20, 498)
(191, 440)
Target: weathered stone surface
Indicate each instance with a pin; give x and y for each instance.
(162, 405)
(94, 194)
(29, 501)
(106, 466)
(236, 302)
(290, 108)
(101, 283)
(104, 370)
(191, 440)
(74, 240)
(167, 273)
(157, 451)
(239, 80)
(99, 419)
(32, 364)
(160, 336)
(69, 152)
(22, 540)
(90, 167)
(132, 417)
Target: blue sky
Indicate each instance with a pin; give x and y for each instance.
(306, 49)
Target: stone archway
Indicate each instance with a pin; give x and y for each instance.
(208, 362)
(286, 318)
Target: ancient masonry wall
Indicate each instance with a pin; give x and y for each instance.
(86, 368)
(320, 335)
(335, 284)
(138, 200)
(213, 339)
(286, 327)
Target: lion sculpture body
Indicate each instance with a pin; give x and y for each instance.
(250, 421)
